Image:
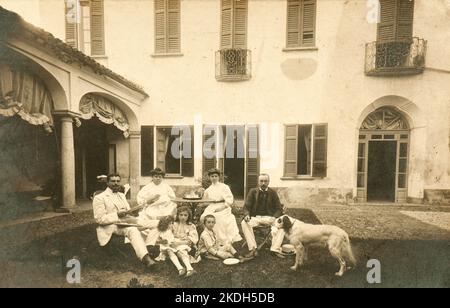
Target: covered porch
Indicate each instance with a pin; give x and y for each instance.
(59, 111)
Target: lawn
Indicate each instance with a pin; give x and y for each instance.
(404, 263)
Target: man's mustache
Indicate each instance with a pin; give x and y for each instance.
(115, 187)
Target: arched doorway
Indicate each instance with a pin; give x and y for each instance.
(383, 146)
(100, 138)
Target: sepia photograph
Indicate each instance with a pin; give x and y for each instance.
(224, 149)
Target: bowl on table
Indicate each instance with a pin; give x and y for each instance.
(192, 197)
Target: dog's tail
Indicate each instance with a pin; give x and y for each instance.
(349, 252)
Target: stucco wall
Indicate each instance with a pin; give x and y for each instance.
(327, 85)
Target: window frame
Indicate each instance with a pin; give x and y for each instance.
(166, 52)
(313, 146)
(75, 35)
(300, 46)
(181, 159)
(233, 34)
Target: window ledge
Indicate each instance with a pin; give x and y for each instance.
(300, 178)
(173, 176)
(163, 55)
(100, 57)
(310, 48)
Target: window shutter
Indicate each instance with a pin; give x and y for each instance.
(187, 164)
(173, 42)
(71, 25)
(146, 150)
(308, 23)
(221, 147)
(160, 26)
(208, 132)
(386, 27)
(97, 28)
(405, 19)
(161, 149)
(227, 26)
(320, 151)
(252, 171)
(293, 23)
(290, 150)
(240, 24)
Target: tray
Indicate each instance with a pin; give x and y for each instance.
(192, 198)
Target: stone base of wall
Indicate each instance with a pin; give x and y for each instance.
(437, 196)
(414, 200)
(298, 196)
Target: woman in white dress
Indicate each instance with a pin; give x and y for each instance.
(156, 198)
(226, 228)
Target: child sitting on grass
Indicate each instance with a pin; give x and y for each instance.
(186, 237)
(208, 245)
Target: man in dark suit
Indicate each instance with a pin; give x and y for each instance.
(262, 207)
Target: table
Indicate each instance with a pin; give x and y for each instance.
(193, 204)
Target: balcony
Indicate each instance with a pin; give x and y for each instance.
(233, 64)
(395, 58)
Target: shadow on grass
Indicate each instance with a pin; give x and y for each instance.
(414, 263)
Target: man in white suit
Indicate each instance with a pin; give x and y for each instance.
(110, 208)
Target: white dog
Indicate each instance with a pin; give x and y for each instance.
(301, 235)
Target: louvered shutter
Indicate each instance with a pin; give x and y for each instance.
(387, 25)
(293, 23)
(146, 150)
(405, 19)
(161, 149)
(187, 164)
(320, 151)
(173, 24)
(221, 151)
(71, 24)
(252, 171)
(226, 33)
(97, 28)
(208, 162)
(308, 22)
(290, 150)
(160, 26)
(240, 24)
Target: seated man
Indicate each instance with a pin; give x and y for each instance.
(110, 208)
(262, 206)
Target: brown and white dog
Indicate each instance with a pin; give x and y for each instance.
(302, 235)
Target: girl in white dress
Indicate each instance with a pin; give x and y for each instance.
(186, 237)
(225, 229)
(176, 240)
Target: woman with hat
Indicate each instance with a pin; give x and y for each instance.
(226, 228)
(156, 197)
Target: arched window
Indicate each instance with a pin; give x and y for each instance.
(385, 119)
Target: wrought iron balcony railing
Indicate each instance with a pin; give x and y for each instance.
(233, 64)
(395, 57)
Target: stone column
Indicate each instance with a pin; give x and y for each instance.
(134, 159)
(67, 163)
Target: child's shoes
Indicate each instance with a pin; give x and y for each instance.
(182, 272)
(190, 273)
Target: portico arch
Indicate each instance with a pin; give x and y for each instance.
(106, 141)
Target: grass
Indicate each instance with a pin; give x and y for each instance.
(404, 263)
